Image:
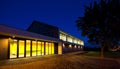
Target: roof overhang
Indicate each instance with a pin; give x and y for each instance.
(9, 31)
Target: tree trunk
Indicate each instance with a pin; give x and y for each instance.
(102, 51)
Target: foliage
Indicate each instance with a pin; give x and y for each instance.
(101, 22)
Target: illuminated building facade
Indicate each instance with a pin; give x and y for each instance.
(38, 40)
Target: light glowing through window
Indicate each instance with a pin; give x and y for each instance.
(82, 43)
(21, 48)
(69, 39)
(13, 48)
(63, 37)
(75, 46)
(52, 48)
(70, 46)
(33, 48)
(42, 48)
(63, 45)
(39, 48)
(78, 46)
(46, 48)
(28, 48)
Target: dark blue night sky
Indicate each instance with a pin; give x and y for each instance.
(60, 13)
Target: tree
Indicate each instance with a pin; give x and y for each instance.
(101, 23)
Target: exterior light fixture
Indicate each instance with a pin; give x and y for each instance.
(70, 46)
(63, 45)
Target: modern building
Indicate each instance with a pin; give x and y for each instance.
(39, 39)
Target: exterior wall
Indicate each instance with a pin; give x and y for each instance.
(3, 48)
(56, 48)
(44, 29)
(71, 48)
(69, 38)
(17, 48)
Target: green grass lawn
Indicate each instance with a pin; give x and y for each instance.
(107, 54)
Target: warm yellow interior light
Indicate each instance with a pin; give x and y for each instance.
(28, 48)
(21, 48)
(33, 48)
(75, 46)
(13, 49)
(70, 46)
(52, 48)
(78, 46)
(39, 49)
(63, 45)
(42, 48)
(46, 48)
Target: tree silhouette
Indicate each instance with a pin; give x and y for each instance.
(101, 23)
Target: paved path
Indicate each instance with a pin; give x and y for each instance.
(66, 61)
(24, 60)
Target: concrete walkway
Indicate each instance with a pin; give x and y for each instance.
(24, 60)
(73, 60)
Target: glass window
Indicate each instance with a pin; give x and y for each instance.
(28, 48)
(78, 46)
(69, 39)
(63, 37)
(33, 48)
(42, 48)
(13, 48)
(21, 48)
(63, 45)
(75, 46)
(39, 48)
(75, 41)
(70, 46)
(52, 48)
(46, 48)
(82, 43)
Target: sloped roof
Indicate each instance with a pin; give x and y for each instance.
(44, 29)
(6, 30)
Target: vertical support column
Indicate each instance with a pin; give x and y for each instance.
(48, 48)
(30, 47)
(36, 47)
(41, 47)
(25, 49)
(9, 47)
(60, 48)
(55, 48)
(44, 48)
(17, 48)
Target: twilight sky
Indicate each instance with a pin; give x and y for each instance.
(60, 13)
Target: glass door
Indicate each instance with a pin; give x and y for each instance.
(21, 48)
(46, 48)
(43, 48)
(50, 48)
(39, 50)
(13, 48)
(28, 48)
(34, 48)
